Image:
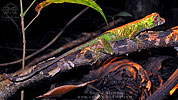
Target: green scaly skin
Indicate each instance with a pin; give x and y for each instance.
(129, 30)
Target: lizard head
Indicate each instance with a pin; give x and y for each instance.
(153, 20)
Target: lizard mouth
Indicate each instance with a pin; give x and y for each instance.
(162, 21)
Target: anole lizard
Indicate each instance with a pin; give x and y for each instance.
(129, 30)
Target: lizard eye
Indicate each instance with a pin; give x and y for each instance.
(155, 18)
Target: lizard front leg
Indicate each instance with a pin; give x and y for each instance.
(133, 35)
(103, 46)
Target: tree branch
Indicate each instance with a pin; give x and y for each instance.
(57, 66)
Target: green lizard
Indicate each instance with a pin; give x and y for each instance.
(129, 30)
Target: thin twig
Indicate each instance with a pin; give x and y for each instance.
(32, 20)
(51, 42)
(16, 48)
(29, 7)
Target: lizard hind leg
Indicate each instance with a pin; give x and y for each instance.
(103, 46)
(132, 37)
(94, 49)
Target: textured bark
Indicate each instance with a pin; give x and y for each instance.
(9, 87)
(167, 86)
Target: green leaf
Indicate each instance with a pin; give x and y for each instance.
(124, 14)
(89, 3)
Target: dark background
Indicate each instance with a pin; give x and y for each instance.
(54, 17)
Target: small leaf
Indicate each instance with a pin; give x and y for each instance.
(89, 3)
(42, 5)
(124, 14)
(61, 90)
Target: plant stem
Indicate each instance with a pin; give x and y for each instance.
(21, 8)
(23, 33)
(24, 42)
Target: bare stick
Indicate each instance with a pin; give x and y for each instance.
(32, 20)
(29, 7)
(17, 49)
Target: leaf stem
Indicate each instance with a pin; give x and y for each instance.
(32, 20)
(29, 7)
